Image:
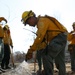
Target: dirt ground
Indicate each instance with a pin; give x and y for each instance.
(34, 68)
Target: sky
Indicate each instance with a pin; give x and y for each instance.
(21, 35)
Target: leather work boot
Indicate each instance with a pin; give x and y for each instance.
(0, 71)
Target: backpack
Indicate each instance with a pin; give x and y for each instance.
(57, 23)
(58, 43)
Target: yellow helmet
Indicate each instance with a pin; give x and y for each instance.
(26, 15)
(6, 26)
(2, 18)
(73, 24)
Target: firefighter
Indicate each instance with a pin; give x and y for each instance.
(2, 19)
(71, 47)
(53, 35)
(7, 43)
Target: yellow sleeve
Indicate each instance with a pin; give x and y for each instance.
(1, 32)
(41, 46)
(41, 32)
(69, 37)
(11, 43)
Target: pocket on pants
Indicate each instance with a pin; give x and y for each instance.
(56, 45)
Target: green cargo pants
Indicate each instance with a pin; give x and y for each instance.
(55, 49)
(39, 59)
(1, 49)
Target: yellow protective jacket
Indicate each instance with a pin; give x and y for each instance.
(71, 37)
(47, 30)
(7, 38)
(1, 32)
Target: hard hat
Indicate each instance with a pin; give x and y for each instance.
(3, 19)
(6, 26)
(26, 15)
(73, 24)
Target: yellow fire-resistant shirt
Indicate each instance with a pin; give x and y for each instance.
(47, 30)
(71, 37)
(1, 32)
(7, 38)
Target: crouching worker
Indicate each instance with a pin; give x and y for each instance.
(53, 35)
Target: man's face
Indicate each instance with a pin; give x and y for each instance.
(74, 27)
(32, 21)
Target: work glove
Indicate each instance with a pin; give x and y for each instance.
(70, 48)
(29, 54)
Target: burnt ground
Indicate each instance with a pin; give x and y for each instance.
(68, 69)
(34, 69)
